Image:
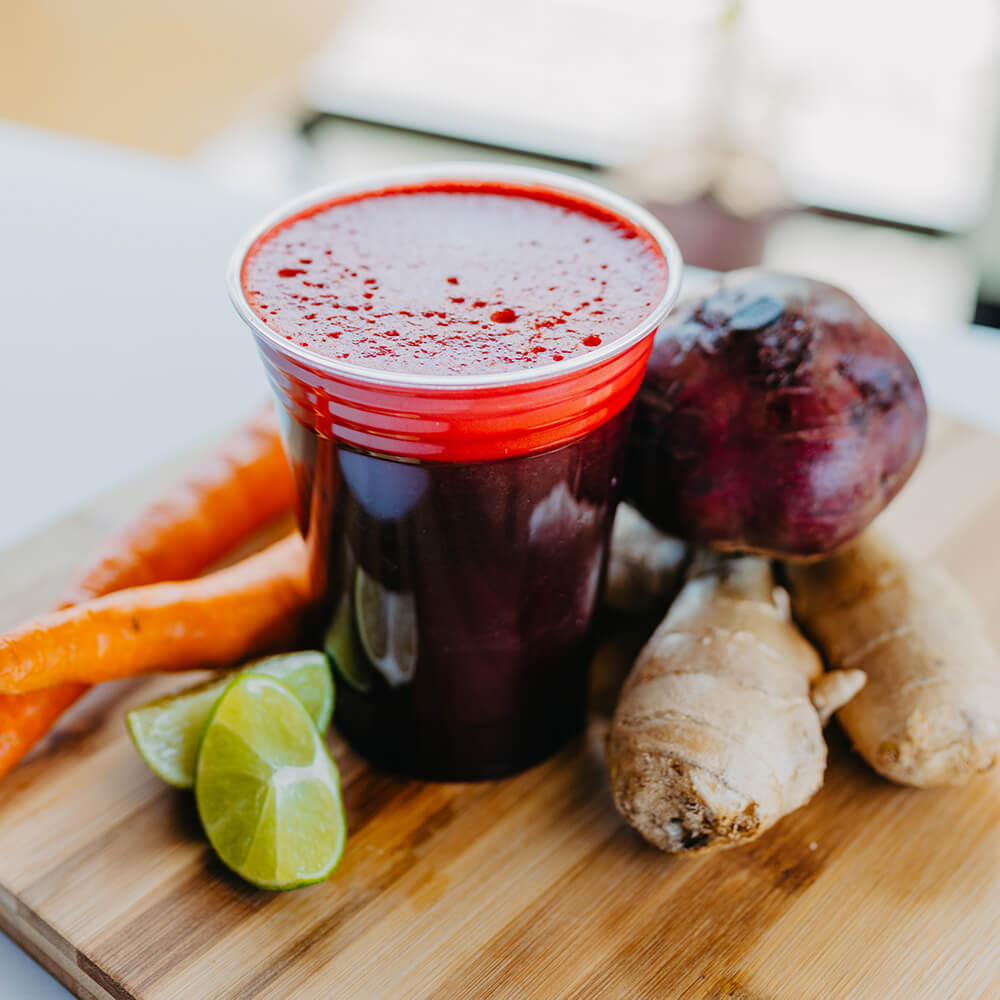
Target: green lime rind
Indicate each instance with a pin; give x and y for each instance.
(167, 731)
(267, 792)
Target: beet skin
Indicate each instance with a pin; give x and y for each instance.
(776, 416)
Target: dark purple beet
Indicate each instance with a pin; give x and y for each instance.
(775, 416)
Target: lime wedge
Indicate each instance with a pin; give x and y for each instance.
(166, 731)
(387, 628)
(307, 676)
(267, 792)
(347, 657)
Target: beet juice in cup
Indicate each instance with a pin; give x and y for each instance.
(454, 353)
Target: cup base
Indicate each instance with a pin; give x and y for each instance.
(472, 756)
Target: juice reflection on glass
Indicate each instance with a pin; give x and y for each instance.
(454, 351)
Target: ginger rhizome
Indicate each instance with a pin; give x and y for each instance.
(645, 565)
(930, 711)
(715, 737)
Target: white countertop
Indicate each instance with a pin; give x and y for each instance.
(120, 347)
(118, 341)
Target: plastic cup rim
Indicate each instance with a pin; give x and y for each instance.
(458, 172)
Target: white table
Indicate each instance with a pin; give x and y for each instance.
(118, 346)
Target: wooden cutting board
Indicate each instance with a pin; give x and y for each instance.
(530, 887)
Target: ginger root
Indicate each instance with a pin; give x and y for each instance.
(930, 712)
(715, 738)
(644, 568)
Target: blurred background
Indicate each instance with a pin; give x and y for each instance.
(857, 142)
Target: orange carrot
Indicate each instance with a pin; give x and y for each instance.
(238, 490)
(250, 607)
(26, 718)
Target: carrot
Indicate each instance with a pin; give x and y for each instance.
(250, 607)
(26, 718)
(239, 489)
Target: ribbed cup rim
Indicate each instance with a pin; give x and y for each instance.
(460, 172)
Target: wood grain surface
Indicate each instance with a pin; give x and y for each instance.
(530, 887)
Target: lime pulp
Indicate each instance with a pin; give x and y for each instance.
(167, 731)
(267, 792)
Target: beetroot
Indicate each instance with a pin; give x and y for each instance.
(776, 416)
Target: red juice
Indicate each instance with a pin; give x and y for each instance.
(455, 361)
(453, 279)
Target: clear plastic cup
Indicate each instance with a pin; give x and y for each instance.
(458, 525)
